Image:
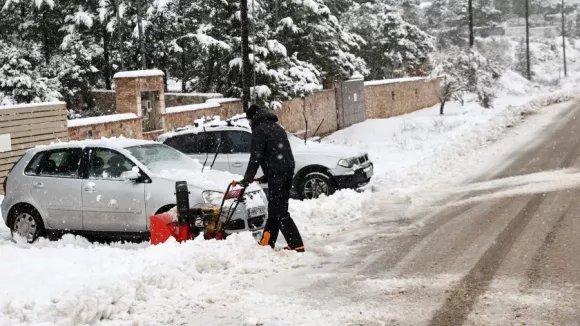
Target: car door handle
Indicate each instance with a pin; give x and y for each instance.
(238, 164)
(89, 188)
(38, 185)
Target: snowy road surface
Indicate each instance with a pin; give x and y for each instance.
(502, 250)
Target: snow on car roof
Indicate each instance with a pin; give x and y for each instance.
(115, 142)
(238, 122)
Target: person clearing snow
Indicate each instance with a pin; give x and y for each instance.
(271, 151)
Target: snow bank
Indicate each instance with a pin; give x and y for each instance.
(81, 283)
(192, 107)
(139, 73)
(101, 119)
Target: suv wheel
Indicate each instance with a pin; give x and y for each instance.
(315, 184)
(26, 222)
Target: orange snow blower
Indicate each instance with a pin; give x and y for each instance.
(191, 222)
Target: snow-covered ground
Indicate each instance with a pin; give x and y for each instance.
(74, 282)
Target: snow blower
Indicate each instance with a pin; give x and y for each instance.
(191, 222)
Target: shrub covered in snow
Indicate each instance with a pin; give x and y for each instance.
(473, 70)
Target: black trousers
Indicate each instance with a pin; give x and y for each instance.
(279, 219)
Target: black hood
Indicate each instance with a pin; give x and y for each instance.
(262, 116)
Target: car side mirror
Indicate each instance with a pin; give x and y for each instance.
(130, 176)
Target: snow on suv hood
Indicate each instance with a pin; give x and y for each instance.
(323, 149)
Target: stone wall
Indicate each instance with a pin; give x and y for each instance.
(172, 121)
(178, 99)
(319, 108)
(132, 128)
(105, 100)
(392, 98)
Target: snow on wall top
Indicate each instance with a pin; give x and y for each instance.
(394, 81)
(139, 73)
(191, 107)
(208, 95)
(101, 119)
(223, 100)
(30, 105)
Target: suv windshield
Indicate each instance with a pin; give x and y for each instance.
(159, 157)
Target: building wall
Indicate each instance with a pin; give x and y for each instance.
(392, 99)
(319, 108)
(132, 128)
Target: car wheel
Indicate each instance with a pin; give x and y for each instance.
(315, 184)
(27, 223)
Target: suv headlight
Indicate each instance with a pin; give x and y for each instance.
(348, 162)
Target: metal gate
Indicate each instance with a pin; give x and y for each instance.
(350, 103)
(149, 108)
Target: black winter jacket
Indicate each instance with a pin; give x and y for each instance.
(270, 147)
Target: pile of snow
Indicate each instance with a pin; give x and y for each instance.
(83, 283)
(100, 120)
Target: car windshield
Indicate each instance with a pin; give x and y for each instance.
(159, 157)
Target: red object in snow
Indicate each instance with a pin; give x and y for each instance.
(163, 227)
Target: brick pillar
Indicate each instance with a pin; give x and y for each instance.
(130, 84)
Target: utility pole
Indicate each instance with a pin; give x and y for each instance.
(471, 33)
(246, 72)
(529, 69)
(564, 40)
(120, 34)
(140, 27)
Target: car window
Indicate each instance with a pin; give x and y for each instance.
(106, 164)
(209, 142)
(34, 164)
(187, 144)
(238, 142)
(61, 163)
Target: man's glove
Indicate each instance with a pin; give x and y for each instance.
(263, 179)
(244, 183)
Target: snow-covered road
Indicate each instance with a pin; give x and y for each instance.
(420, 158)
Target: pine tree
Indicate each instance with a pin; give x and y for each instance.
(393, 47)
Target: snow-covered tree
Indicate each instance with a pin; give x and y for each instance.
(312, 34)
(393, 47)
(521, 63)
(21, 78)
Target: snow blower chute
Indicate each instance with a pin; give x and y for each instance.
(191, 222)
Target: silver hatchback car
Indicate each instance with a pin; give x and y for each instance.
(109, 188)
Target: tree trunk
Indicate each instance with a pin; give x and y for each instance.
(528, 63)
(442, 108)
(140, 27)
(120, 35)
(246, 72)
(471, 33)
(106, 58)
(564, 40)
(183, 73)
(45, 38)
